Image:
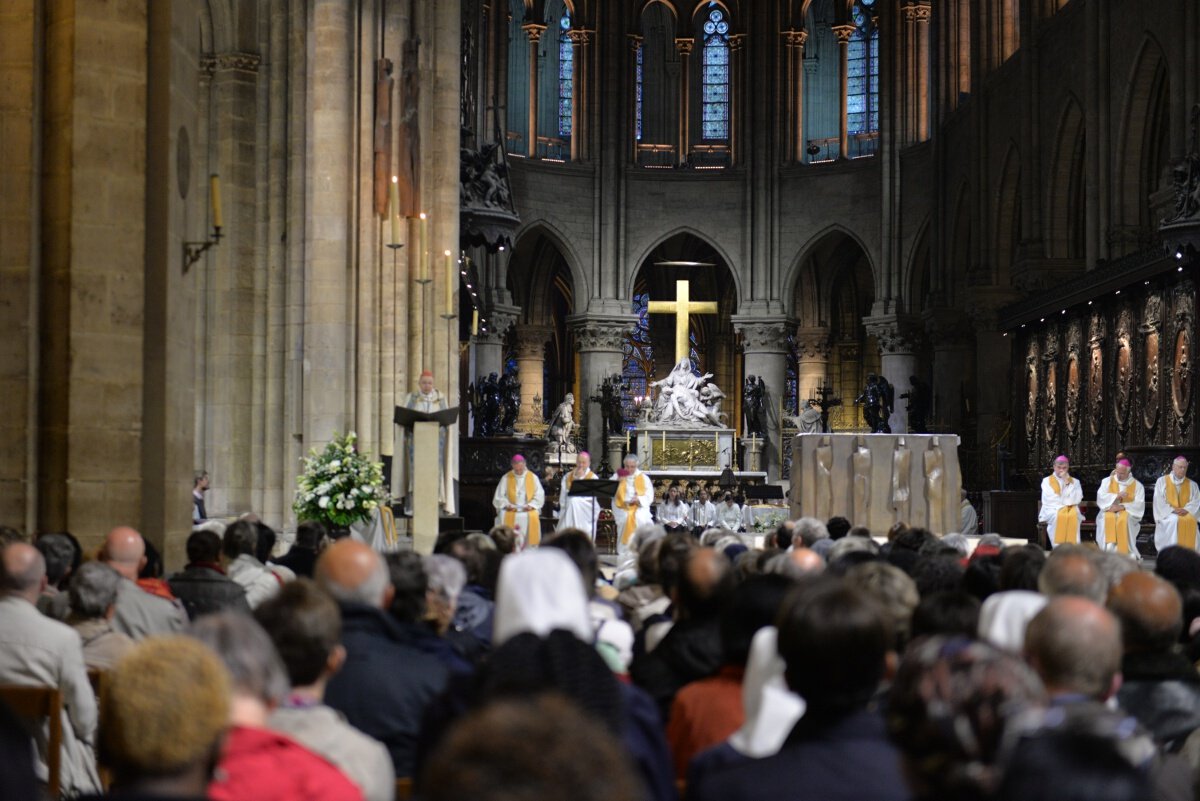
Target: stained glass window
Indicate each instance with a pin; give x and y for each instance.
(791, 392)
(862, 71)
(566, 75)
(714, 78)
(637, 366)
(638, 92)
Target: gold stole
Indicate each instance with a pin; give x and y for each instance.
(639, 486)
(1117, 520)
(571, 478)
(534, 535)
(1185, 526)
(1068, 517)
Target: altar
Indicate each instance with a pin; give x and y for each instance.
(690, 449)
(878, 480)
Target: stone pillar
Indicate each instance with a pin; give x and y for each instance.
(764, 344)
(843, 34)
(795, 41)
(684, 46)
(949, 332)
(993, 367)
(531, 357)
(580, 53)
(489, 344)
(600, 341)
(534, 32)
(812, 366)
(898, 339)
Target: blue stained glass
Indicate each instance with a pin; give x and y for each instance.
(566, 74)
(638, 103)
(862, 72)
(637, 367)
(714, 78)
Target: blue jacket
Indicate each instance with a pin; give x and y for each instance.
(848, 760)
(387, 682)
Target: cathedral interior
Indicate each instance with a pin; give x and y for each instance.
(997, 198)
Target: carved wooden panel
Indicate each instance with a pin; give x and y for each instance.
(1031, 394)
(1124, 372)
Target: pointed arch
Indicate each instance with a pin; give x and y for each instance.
(537, 282)
(1066, 199)
(721, 252)
(918, 279)
(1007, 215)
(1142, 137)
(802, 275)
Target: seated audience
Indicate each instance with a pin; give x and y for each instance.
(202, 586)
(807, 531)
(709, 710)
(265, 549)
(952, 613)
(614, 637)
(476, 608)
(165, 710)
(36, 651)
(302, 556)
(387, 681)
(304, 623)
(93, 600)
(836, 643)
(258, 764)
(1160, 687)
(644, 598)
(445, 578)
(139, 614)
(62, 558)
(692, 648)
(895, 593)
(1074, 570)
(838, 527)
(947, 711)
(238, 552)
(527, 750)
(1064, 763)
(940, 572)
(1004, 616)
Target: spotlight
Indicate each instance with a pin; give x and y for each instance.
(1178, 254)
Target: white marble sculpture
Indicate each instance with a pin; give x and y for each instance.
(686, 400)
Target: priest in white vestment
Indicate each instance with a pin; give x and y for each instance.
(578, 512)
(631, 507)
(1176, 503)
(673, 513)
(1061, 496)
(428, 399)
(1122, 502)
(518, 501)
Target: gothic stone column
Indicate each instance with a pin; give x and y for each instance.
(812, 366)
(764, 344)
(843, 34)
(489, 344)
(531, 357)
(534, 32)
(898, 339)
(600, 341)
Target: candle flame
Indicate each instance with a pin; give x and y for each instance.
(395, 179)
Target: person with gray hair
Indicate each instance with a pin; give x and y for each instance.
(238, 551)
(253, 755)
(376, 695)
(447, 577)
(1073, 570)
(956, 541)
(808, 530)
(93, 600)
(850, 545)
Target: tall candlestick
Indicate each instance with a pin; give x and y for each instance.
(717, 446)
(214, 190)
(627, 440)
(474, 322)
(394, 210)
(423, 263)
(451, 280)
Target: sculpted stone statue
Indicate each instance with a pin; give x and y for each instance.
(686, 399)
(562, 426)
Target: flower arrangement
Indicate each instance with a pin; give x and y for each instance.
(768, 522)
(339, 485)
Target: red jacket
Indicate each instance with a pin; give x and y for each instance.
(262, 765)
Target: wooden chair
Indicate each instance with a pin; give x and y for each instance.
(404, 789)
(33, 704)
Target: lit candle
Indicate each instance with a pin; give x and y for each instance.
(474, 322)
(664, 441)
(394, 210)
(627, 440)
(717, 445)
(451, 280)
(423, 247)
(214, 190)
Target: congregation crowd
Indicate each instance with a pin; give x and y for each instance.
(824, 665)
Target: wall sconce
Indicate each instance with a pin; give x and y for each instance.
(192, 251)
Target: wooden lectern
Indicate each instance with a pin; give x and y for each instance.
(423, 430)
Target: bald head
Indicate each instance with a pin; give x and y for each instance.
(1149, 610)
(705, 584)
(24, 571)
(354, 573)
(1075, 646)
(806, 561)
(1073, 571)
(124, 551)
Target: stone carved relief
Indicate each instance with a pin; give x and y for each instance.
(771, 337)
(601, 335)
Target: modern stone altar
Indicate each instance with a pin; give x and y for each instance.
(877, 480)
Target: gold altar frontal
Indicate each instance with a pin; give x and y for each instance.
(685, 448)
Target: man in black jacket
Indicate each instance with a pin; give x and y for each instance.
(302, 556)
(202, 586)
(388, 681)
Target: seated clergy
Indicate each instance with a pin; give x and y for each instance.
(518, 502)
(1176, 503)
(578, 511)
(1122, 502)
(1061, 496)
(631, 506)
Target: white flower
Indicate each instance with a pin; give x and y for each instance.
(323, 502)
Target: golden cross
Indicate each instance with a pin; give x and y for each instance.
(681, 307)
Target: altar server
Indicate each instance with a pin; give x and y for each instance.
(578, 512)
(1061, 496)
(1122, 502)
(631, 507)
(729, 514)
(673, 513)
(704, 514)
(1176, 503)
(518, 501)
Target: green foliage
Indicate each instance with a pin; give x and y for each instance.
(339, 485)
